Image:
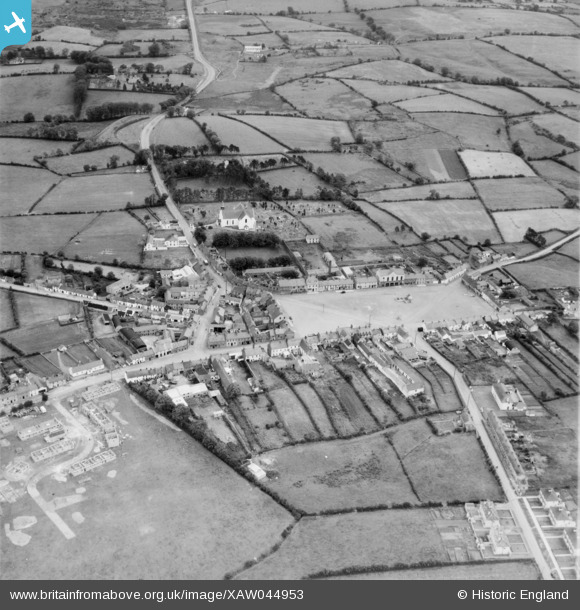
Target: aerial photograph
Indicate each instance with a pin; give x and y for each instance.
(289, 290)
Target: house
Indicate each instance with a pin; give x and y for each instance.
(454, 274)
(251, 354)
(527, 322)
(499, 541)
(550, 498)
(289, 286)
(233, 218)
(142, 375)
(394, 276)
(275, 314)
(180, 393)
(362, 282)
(278, 348)
(253, 48)
(86, 369)
(511, 347)
(121, 286)
(560, 517)
(330, 261)
(507, 397)
(224, 373)
(312, 239)
(256, 471)
(311, 342)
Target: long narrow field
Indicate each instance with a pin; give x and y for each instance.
(316, 409)
(6, 317)
(361, 419)
(100, 159)
(266, 425)
(443, 388)
(293, 415)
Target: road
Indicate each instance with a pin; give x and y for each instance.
(530, 257)
(513, 499)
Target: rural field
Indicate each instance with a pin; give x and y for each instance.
(481, 164)
(513, 225)
(23, 150)
(446, 102)
(45, 336)
(179, 131)
(248, 140)
(558, 176)
(518, 193)
(344, 231)
(6, 317)
(33, 309)
(451, 190)
(551, 272)
(99, 159)
(22, 187)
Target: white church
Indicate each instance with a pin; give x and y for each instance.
(237, 217)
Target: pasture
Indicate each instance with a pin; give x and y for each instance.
(513, 225)
(572, 248)
(253, 101)
(535, 146)
(444, 218)
(359, 169)
(451, 190)
(446, 102)
(481, 164)
(299, 133)
(477, 58)
(559, 125)
(326, 98)
(389, 537)
(33, 309)
(23, 150)
(149, 35)
(248, 140)
(389, 224)
(345, 231)
(387, 94)
(231, 25)
(88, 193)
(558, 176)
(67, 33)
(101, 158)
(178, 131)
(36, 93)
(339, 475)
(51, 233)
(269, 7)
(518, 193)
(387, 71)
(555, 96)
(471, 130)
(99, 97)
(320, 39)
(426, 461)
(559, 53)
(113, 236)
(294, 178)
(573, 160)
(46, 336)
(130, 134)
(22, 187)
(553, 271)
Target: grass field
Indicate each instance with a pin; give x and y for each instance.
(94, 193)
(389, 224)
(36, 93)
(153, 34)
(22, 187)
(326, 98)
(472, 131)
(116, 235)
(426, 461)
(248, 140)
(306, 134)
(556, 96)
(97, 98)
(482, 164)
(292, 414)
(518, 193)
(387, 94)
(316, 409)
(294, 178)
(535, 146)
(231, 25)
(339, 475)
(477, 58)
(566, 409)
(465, 217)
(6, 318)
(269, 7)
(558, 176)
(178, 131)
(51, 233)
(559, 125)
(33, 309)
(70, 164)
(159, 465)
(22, 150)
(72, 34)
(554, 271)
(572, 248)
(387, 71)
(358, 539)
(130, 134)
(513, 225)
(253, 101)
(453, 190)
(345, 231)
(46, 336)
(573, 160)
(39, 365)
(446, 102)
(557, 53)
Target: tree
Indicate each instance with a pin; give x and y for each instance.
(335, 143)
(425, 236)
(113, 161)
(200, 235)
(99, 271)
(111, 276)
(154, 49)
(56, 68)
(29, 118)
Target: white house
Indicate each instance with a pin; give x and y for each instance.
(243, 219)
(390, 277)
(86, 369)
(507, 397)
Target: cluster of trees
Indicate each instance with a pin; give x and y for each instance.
(375, 32)
(535, 238)
(244, 239)
(94, 64)
(114, 110)
(95, 280)
(80, 88)
(213, 138)
(241, 263)
(53, 131)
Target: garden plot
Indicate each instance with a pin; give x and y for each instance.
(558, 176)
(359, 169)
(553, 271)
(6, 317)
(299, 133)
(101, 159)
(23, 150)
(51, 233)
(481, 164)
(535, 146)
(328, 98)
(292, 414)
(567, 411)
(264, 421)
(472, 131)
(340, 422)
(22, 187)
(39, 365)
(338, 542)
(425, 458)
(94, 193)
(345, 231)
(555, 96)
(477, 58)
(247, 139)
(33, 309)
(518, 193)
(46, 336)
(442, 386)
(396, 232)
(387, 94)
(501, 98)
(464, 217)
(559, 53)
(293, 178)
(339, 475)
(178, 131)
(361, 419)
(451, 190)
(113, 236)
(66, 33)
(446, 102)
(316, 409)
(387, 71)
(559, 125)
(36, 93)
(81, 353)
(414, 23)
(513, 225)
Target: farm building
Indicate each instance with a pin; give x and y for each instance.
(120, 287)
(133, 339)
(254, 48)
(236, 218)
(312, 239)
(179, 394)
(507, 397)
(161, 243)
